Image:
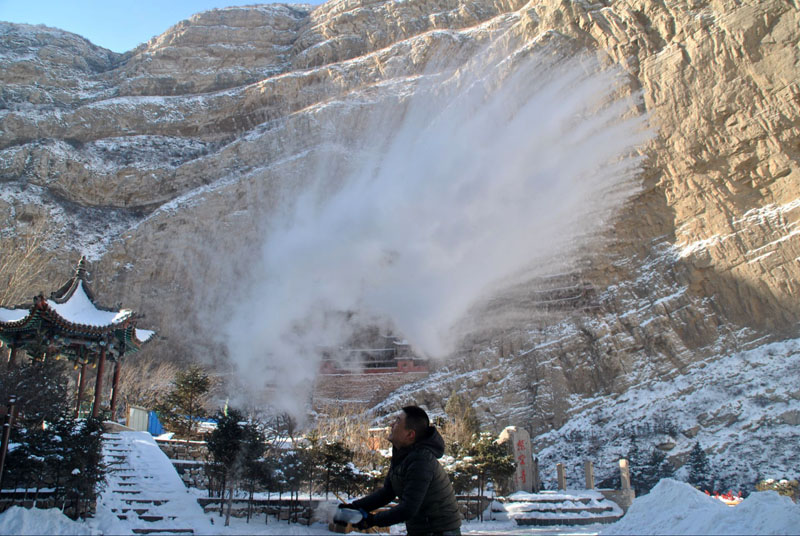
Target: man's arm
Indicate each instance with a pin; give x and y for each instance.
(418, 479)
(380, 497)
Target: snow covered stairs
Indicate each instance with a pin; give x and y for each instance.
(547, 508)
(142, 487)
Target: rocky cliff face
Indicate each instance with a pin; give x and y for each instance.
(176, 154)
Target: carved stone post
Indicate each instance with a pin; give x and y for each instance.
(562, 477)
(588, 468)
(98, 386)
(624, 474)
(536, 483)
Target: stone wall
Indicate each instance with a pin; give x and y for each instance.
(188, 458)
(359, 390)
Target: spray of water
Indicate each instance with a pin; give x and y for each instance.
(489, 170)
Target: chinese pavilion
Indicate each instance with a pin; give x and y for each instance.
(69, 324)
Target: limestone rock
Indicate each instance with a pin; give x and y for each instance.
(151, 160)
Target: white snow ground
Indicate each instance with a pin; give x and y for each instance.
(672, 507)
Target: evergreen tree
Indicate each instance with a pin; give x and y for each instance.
(52, 449)
(80, 461)
(41, 390)
(700, 475)
(336, 465)
(224, 446)
(185, 403)
(636, 464)
(293, 473)
(654, 469)
(493, 462)
(252, 449)
(463, 424)
(270, 478)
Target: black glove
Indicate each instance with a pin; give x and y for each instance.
(367, 522)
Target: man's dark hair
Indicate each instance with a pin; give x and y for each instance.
(417, 420)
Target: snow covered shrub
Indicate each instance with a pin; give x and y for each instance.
(54, 459)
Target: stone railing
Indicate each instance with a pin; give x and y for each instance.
(623, 496)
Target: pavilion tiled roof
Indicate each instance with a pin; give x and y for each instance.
(70, 314)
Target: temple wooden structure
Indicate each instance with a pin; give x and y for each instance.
(69, 324)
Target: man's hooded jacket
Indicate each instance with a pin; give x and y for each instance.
(427, 502)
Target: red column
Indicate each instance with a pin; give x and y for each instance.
(12, 357)
(81, 387)
(98, 385)
(114, 385)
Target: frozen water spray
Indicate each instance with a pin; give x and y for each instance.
(488, 171)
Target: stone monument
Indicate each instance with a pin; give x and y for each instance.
(519, 441)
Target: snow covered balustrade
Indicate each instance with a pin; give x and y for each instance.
(557, 508)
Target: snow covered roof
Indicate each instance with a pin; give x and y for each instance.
(71, 315)
(79, 309)
(12, 315)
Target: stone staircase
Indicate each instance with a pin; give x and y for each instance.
(142, 488)
(551, 508)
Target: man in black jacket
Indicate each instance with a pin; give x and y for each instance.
(427, 502)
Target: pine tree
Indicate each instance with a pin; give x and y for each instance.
(41, 390)
(656, 468)
(636, 464)
(224, 446)
(336, 465)
(252, 449)
(52, 449)
(80, 462)
(492, 461)
(700, 475)
(185, 403)
(463, 424)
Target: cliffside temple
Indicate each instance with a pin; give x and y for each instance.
(70, 325)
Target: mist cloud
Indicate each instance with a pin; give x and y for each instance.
(496, 167)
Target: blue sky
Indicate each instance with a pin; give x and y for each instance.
(119, 25)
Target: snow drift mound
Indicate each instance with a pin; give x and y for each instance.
(18, 520)
(674, 507)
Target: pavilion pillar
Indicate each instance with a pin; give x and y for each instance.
(114, 385)
(81, 389)
(98, 385)
(12, 356)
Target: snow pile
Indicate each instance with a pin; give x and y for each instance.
(674, 507)
(671, 508)
(17, 520)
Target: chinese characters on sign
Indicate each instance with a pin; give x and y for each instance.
(520, 442)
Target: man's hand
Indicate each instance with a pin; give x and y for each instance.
(367, 522)
(347, 514)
